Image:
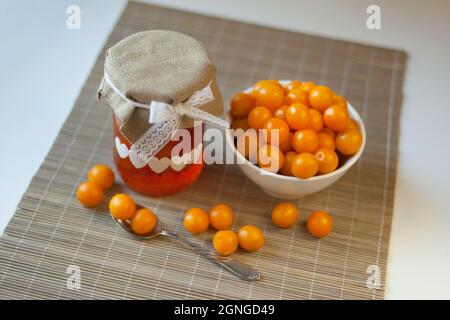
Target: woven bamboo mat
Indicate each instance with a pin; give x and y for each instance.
(50, 231)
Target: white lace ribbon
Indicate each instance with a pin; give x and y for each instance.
(165, 119)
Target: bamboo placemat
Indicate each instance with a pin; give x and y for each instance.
(50, 231)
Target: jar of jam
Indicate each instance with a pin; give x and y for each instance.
(161, 80)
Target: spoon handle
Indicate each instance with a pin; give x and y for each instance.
(237, 268)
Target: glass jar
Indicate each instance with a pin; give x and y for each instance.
(167, 177)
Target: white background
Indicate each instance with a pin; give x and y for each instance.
(43, 66)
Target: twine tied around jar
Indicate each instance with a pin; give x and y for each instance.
(165, 119)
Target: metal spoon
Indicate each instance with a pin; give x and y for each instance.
(237, 268)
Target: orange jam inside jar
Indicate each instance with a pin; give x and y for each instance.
(170, 178)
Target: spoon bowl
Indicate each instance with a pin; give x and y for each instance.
(126, 225)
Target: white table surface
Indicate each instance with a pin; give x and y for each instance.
(43, 66)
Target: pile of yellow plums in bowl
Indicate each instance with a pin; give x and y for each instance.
(295, 138)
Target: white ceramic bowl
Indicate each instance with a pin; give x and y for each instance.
(285, 187)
